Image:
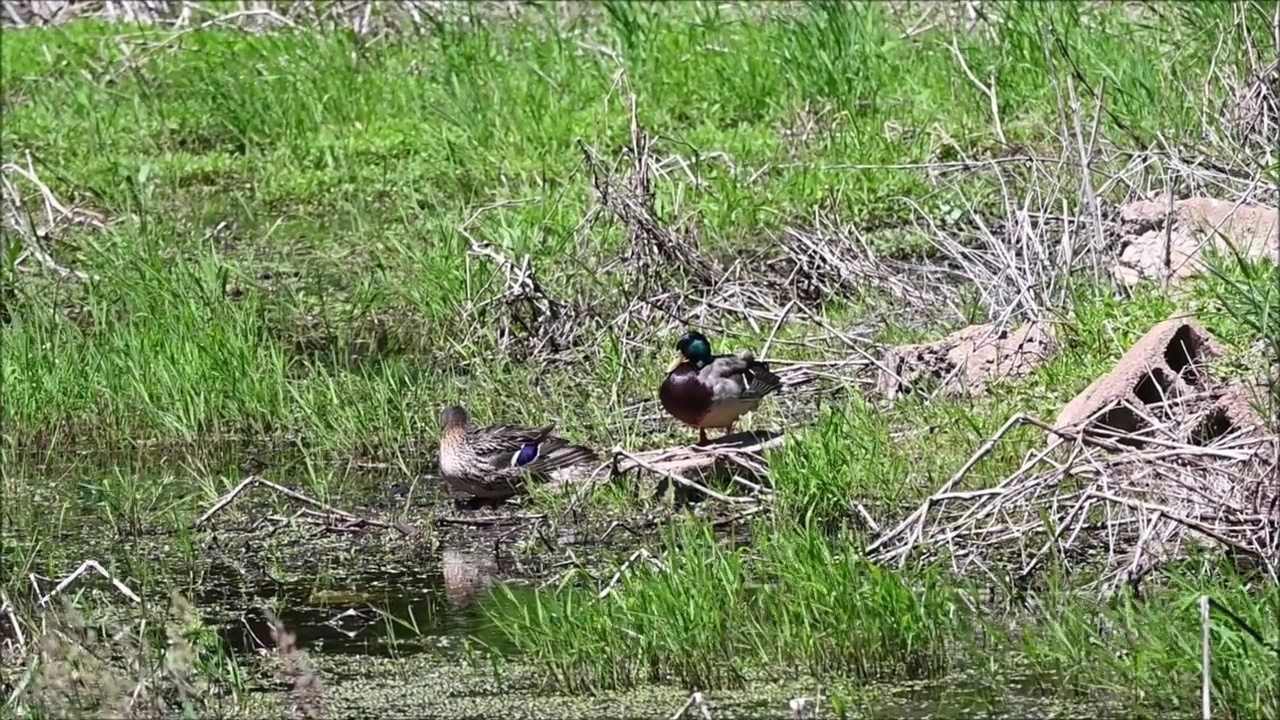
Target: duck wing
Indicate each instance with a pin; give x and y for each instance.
(740, 377)
(506, 446)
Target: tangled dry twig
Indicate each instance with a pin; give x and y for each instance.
(327, 514)
(73, 665)
(1097, 504)
(36, 238)
(531, 319)
(364, 18)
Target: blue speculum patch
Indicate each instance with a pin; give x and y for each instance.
(527, 454)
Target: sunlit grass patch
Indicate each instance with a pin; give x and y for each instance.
(1151, 647)
(710, 614)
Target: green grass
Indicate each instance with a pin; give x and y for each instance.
(802, 599)
(286, 281)
(1150, 648)
(345, 174)
(717, 616)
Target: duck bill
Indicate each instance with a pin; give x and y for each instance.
(676, 362)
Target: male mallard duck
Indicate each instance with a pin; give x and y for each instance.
(494, 462)
(713, 391)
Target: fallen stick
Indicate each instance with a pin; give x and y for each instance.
(257, 480)
(6, 609)
(1175, 516)
(723, 522)
(497, 520)
(618, 451)
(866, 517)
(917, 518)
(696, 700)
(640, 554)
(86, 565)
(20, 220)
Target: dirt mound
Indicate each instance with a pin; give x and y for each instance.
(968, 360)
(1195, 225)
(1167, 367)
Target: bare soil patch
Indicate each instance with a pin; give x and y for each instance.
(968, 360)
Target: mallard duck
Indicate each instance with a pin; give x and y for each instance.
(713, 391)
(494, 462)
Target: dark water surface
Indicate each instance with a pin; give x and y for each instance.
(386, 616)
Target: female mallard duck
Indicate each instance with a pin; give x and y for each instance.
(493, 463)
(713, 391)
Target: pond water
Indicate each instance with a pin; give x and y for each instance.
(364, 636)
(385, 625)
(381, 615)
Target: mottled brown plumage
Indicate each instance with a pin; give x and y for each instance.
(494, 462)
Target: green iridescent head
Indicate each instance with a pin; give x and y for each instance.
(695, 347)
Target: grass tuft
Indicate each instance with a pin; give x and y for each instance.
(706, 612)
